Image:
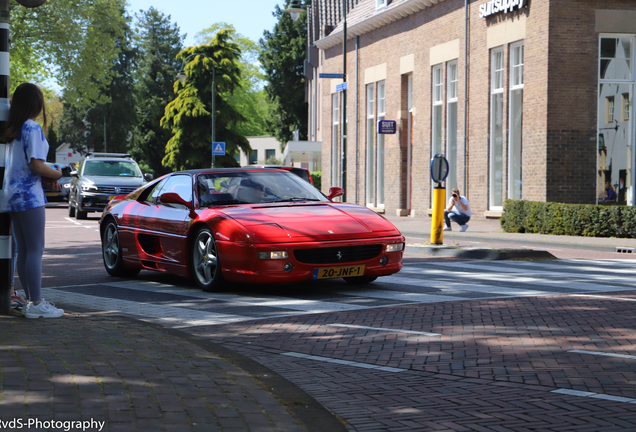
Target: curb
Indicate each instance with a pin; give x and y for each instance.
(480, 253)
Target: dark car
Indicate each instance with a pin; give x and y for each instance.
(99, 178)
(303, 173)
(64, 182)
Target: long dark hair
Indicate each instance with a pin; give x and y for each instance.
(27, 102)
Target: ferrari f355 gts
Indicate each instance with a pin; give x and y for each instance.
(219, 226)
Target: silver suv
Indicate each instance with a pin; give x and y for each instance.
(101, 177)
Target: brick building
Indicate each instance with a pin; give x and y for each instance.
(526, 99)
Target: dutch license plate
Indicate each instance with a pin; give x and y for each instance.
(51, 194)
(338, 272)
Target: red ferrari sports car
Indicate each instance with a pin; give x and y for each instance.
(245, 225)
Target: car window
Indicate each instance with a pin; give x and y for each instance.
(251, 187)
(152, 194)
(111, 168)
(179, 184)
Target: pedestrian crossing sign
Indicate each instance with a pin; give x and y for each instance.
(218, 148)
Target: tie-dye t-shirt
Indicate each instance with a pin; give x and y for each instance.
(22, 189)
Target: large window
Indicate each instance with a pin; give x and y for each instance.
(496, 128)
(370, 145)
(335, 140)
(438, 101)
(615, 129)
(451, 125)
(516, 122)
(380, 165)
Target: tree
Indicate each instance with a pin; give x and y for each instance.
(73, 41)
(282, 56)
(249, 98)
(158, 43)
(188, 116)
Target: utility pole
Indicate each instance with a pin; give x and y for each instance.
(5, 220)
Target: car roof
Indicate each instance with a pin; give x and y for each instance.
(221, 170)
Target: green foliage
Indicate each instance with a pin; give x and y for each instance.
(272, 160)
(158, 42)
(51, 137)
(188, 116)
(249, 98)
(569, 219)
(74, 41)
(282, 56)
(316, 176)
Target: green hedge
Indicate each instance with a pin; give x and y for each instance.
(569, 219)
(316, 176)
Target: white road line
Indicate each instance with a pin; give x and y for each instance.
(594, 395)
(551, 282)
(402, 296)
(169, 316)
(300, 305)
(604, 297)
(73, 221)
(385, 329)
(458, 286)
(599, 353)
(343, 362)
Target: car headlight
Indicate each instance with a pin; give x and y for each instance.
(66, 185)
(89, 188)
(395, 247)
(273, 255)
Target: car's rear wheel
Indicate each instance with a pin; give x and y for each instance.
(360, 280)
(112, 253)
(205, 266)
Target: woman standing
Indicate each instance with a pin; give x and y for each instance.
(23, 196)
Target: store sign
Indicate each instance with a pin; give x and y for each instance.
(387, 126)
(495, 6)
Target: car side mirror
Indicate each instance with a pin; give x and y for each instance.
(148, 177)
(74, 174)
(174, 198)
(335, 192)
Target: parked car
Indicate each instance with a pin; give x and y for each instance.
(219, 226)
(303, 173)
(99, 178)
(64, 182)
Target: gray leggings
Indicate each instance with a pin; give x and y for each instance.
(28, 229)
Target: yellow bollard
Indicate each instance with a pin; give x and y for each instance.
(437, 225)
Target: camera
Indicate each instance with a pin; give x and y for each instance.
(454, 195)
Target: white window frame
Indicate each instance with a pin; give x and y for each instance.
(370, 144)
(380, 4)
(496, 89)
(452, 78)
(380, 179)
(517, 58)
(335, 139)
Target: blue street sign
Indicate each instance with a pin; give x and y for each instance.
(387, 126)
(341, 87)
(218, 148)
(330, 75)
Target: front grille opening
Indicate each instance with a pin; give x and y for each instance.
(337, 255)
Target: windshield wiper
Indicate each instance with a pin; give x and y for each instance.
(294, 199)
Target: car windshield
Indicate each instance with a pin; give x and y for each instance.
(111, 168)
(251, 187)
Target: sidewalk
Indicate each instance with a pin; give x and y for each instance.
(101, 372)
(487, 233)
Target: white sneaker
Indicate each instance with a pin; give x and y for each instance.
(43, 310)
(464, 228)
(447, 228)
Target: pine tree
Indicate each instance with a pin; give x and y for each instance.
(188, 116)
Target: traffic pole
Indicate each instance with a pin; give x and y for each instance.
(5, 220)
(437, 224)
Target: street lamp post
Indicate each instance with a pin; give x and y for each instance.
(86, 122)
(295, 9)
(182, 77)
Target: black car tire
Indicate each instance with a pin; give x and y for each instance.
(360, 280)
(80, 214)
(71, 210)
(205, 267)
(112, 254)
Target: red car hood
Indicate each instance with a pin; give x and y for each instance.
(311, 222)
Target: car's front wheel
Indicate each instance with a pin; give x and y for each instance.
(71, 209)
(112, 253)
(205, 266)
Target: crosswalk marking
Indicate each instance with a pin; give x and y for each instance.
(419, 283)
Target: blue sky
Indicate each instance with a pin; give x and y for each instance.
(249, 17)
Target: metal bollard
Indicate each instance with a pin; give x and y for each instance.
(437, 224)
